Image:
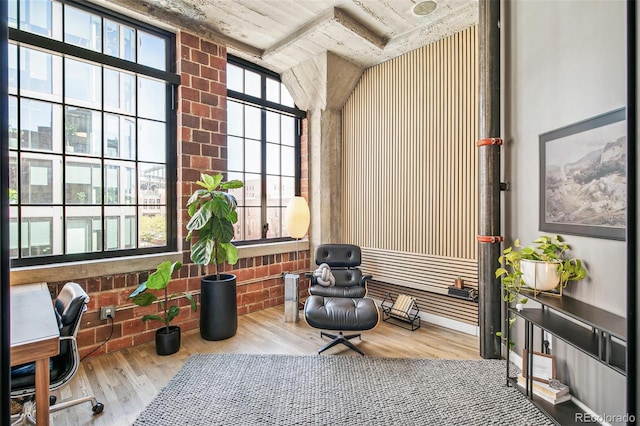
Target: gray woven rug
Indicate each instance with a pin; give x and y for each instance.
(233, 389)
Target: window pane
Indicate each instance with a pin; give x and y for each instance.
(112, 231)
(234, 78)
(119, 136)
(40, 74)
(13, 122)
(42, 17)
(13, 70)
(252, 190)
(152, 185)
(235, 119)
(273, 159)
(151, 98)
(153, 227)
(273, 191)
(252, 223)
(83, 131)
(288, 130)
(288, 161)
(252, 83)
(83, 181)
(288, 187)
(273, 127)
(130, 232)
(111, 184)
(274, 219)
(151, 50)
(37, 237)
(84, 230)
(253, 156)
(118, 40)
(119, 91)
(151, 141)
(13, 178)
(287, 99)
(273, 90)
(13, 23)
(253, 126)
(83, 84)
(82, 28)
(40, 126)
(36, 181)
(235, 156)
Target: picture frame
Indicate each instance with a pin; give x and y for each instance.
(583, 177)
(544, 366)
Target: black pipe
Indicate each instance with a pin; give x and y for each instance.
(490, 305)
(632, 218)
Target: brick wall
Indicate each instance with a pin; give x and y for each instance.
(201, 123)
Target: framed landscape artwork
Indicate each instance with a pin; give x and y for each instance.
(583, 180)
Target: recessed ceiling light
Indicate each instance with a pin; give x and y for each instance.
(424, 7)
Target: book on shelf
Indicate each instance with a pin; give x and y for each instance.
(546, 392)
(463, 292)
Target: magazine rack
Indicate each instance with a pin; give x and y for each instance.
(403, 311)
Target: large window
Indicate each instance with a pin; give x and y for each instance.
(263, 149)
(91, 133)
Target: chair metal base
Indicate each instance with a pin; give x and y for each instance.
(340, 338)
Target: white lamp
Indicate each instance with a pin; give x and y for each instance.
(297, 217)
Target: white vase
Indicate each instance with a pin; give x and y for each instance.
(540, 275)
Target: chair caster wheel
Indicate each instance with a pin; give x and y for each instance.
(97, 409)
(52, 400)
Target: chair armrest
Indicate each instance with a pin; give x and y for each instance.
(364, 279)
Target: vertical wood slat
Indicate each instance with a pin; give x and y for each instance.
(409, 133)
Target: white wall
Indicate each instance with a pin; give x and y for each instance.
(565, 61)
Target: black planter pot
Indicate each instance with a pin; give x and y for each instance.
(168, 343)
(218, 307)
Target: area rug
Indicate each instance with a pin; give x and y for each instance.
(236, 389)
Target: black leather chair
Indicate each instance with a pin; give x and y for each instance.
(344, 305)
(70, 304)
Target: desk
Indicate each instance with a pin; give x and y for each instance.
(35, 337)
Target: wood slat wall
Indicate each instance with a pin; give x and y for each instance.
(410, 166)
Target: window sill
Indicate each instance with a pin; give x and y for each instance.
(123, 265)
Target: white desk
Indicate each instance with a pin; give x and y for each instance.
(34, 337)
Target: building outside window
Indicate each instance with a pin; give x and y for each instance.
(263, 149)
(91, 133)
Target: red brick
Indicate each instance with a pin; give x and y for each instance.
(185, 134)
(148, 336)
(199, 162)
(190, 148)
(210, 99)
(201, 136)
(211, 150)
(107, 298)
(208, 47)
(200, 83)
(121, 343)
(242, 310)
(89, 319)
(245, 274)
(218, 164)
(218, 63)
(185, 108)
(275, 269)
(209, 73)
(86, 337)
(84, 352)
(201, 110)
(262, 271)
(211, 125)
(189, 94)
(185, 52)
(189, 40)
(133, 326)
(200, 57)
(248, 298)
(185, 80)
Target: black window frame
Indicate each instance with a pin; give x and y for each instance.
(172, 81)
(265, 105)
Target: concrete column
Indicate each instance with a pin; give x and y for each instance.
(321, 86)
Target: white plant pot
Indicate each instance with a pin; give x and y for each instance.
(539, 275)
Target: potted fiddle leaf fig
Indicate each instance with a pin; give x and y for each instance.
(213, 213)
(167, 337)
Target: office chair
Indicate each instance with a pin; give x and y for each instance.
(70, 304)
(341, 305)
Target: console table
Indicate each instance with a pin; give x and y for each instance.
(591, 330)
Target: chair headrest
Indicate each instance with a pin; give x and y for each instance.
(339, 255)
(70, 303)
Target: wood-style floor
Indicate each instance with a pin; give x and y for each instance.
(126, 381)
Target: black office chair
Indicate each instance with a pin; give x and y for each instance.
(340, 305)
(69, 307)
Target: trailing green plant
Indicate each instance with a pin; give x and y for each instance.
(159, 280)
(213, 212)
(545, 248)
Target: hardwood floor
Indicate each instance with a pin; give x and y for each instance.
(126, 381)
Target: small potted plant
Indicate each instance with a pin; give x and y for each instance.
(543, 266)
(459, 282)
(213, 212)
(167, 337)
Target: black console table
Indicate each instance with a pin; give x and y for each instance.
(591, 330)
